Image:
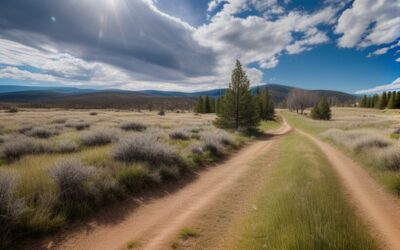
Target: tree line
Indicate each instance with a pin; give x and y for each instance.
(238, 108)
(390, 100)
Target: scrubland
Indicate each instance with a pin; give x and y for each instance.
(370, 136)
(59, 165)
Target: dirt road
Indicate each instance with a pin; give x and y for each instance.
(378, 208)
(156, 223)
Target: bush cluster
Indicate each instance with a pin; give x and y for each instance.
(22, 145)
(144, 148)
(99, 137)
(133, 126)
(78, 125)
(42, 132)
(179, 134)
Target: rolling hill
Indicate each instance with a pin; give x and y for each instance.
(66, 97)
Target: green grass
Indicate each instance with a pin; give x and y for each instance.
(270, 124)
(305, 123)
(133, 245)
(187, 233)
(303, 206)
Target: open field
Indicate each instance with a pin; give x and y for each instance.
(280, 191)
(59, 165)
(370, 136)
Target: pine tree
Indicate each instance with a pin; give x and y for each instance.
(392, 101)
(363, 103)
(239, 107)
(207, 106)
(382, 103)
(212, 105)
(322, 110)
(398, 99)
(198, 108)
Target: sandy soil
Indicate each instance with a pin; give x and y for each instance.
(379, 209)
(154, 224)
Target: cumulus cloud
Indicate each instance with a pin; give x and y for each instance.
(395, 85)
(369, 22)
(256, 39)
(132, 35)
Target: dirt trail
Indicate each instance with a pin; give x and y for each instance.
(156, 223)
(378, 208)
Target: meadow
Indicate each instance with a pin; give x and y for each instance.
(369, 136)
(59, 165)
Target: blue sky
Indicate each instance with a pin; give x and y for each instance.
(344, 45)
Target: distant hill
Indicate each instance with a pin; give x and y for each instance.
(67, 97)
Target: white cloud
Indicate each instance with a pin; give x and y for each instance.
(388, 87)
(256, 39)
(398, 59)
(15, 73)
(383, 50)
(369, 22)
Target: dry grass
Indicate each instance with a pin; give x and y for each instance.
(60, 172)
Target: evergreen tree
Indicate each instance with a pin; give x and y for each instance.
(207, 106)
(375, 101)
(239, 107)
(382, 103)
(198, 108)
(398, 99)
(322, 110)
(266, 106)
(212, 105)
(363, 103)
(392, 101)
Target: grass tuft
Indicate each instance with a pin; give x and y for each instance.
(187, 233)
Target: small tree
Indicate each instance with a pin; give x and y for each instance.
(198, 107)
(321, 111)
(238, 108)
(300, 100)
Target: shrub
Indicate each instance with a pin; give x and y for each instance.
(10, 210)
(147, 149)
(7, 183)
(357, 140)
(23, 145)
(65, 146)
(161, 112)
(59, 121)
(212, 144)
(42, 132)
(136, 179)
(78, 125)
(169, 173)
(98, 137)
(389, 158)
(179, 134)
(70, 176)
(25, 128)
(369, 141)
(12, 110)
(214, 141)
(93, 113)
(133, 126)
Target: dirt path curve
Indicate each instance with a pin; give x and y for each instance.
(156, 223)
(378, 208)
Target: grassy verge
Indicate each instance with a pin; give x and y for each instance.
(367, 157)
(302, 206)
(271, 124)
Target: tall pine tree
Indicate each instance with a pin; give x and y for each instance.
(238, 108)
